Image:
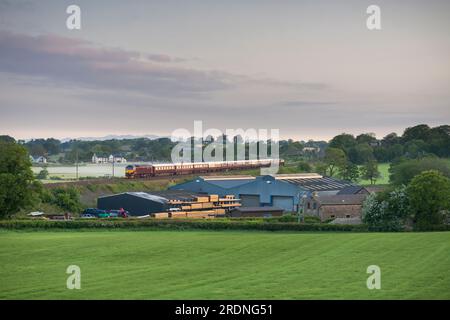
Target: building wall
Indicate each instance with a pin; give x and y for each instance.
(340, 211)
(268, 189)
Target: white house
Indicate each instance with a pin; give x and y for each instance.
(39, 159)
(109, 159)
(117, 159)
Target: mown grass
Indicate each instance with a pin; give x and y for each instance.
(223, 265)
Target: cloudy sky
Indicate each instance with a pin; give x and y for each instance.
(308, 68)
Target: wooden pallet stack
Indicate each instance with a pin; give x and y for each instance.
(201, 207)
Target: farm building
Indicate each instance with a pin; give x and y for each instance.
(265, 212)
(283, 191)
(136, 203)
(326, 207)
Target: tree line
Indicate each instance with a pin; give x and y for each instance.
(415, 142)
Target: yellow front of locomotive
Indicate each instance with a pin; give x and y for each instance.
(130, 171)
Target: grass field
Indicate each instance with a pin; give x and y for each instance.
(223, 265)
(384, 178)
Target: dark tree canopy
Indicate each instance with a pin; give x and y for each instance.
(17, 184)
(403, 171)
(429, 196)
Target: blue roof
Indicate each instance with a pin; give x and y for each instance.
(229, 183)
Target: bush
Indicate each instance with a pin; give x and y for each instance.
(386, 211)
(42, 175)
(429, 195)
(68, 199)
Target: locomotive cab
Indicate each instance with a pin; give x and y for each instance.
(130, 171)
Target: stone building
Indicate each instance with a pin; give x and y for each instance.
(334, 206)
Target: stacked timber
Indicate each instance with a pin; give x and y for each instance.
(214, 198)
(200, 207)
(161, 215)
(202, 199)
(178, 214)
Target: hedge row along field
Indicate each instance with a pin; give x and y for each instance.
(170, 224)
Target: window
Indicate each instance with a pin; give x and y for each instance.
(332, 216)
(309, 205)
(347, 216)
(314, 206)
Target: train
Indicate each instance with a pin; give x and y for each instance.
(173, 169)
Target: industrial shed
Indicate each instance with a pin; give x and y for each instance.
(283, 191)
(136, 203)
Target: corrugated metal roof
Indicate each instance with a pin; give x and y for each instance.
(297, 176)
(147, 196)
(318, 184)
(162, 196)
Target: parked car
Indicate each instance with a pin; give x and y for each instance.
(96, 212)
(118, 213)
(88, 216)
(113, 213)
(103, 215)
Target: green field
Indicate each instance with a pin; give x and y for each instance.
(223, 265)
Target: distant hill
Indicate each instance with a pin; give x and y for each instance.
(112, 137)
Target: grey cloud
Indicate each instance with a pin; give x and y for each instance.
(83, 64)
(164, 58)
(300, 103)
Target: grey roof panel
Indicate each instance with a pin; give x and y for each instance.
(350, 190)
(319, 184)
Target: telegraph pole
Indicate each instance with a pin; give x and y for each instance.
(76, 161)
(114, 160)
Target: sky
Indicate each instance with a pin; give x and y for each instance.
(311, 69)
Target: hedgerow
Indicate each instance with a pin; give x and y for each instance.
(175, 225)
